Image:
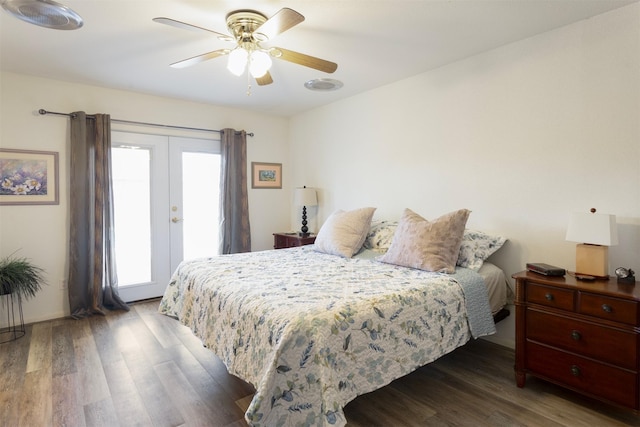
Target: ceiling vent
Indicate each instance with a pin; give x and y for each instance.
(44, 13)
(323, 85)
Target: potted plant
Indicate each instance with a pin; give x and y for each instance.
(20, 277)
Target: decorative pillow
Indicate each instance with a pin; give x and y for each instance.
(427, 245)
(343, 233)
(476, 247)
(380, 235)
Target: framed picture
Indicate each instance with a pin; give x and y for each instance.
(28, 177)
(266, 175)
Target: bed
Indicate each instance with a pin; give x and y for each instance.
(312, 330)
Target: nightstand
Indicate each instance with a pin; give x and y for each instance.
(291, 240)
(580, 335)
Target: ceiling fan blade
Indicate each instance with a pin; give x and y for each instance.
(264, 80)
(284, 19)
(185, 26)
(306, 60)
(200, 58)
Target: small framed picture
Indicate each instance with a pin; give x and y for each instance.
(28, 177)
(266, 175)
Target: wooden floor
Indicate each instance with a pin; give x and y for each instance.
(140, 368)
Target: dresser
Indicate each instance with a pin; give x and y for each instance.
(290, 240)
(580, 335)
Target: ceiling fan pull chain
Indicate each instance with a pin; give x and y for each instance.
(249, 80)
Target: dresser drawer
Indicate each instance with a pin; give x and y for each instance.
(615, 309)
(588, 339)
(282, 242)
(614, 384)
(550, 296)
(292, 240)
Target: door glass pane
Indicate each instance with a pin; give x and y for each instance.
(132, 214)
(200, 200)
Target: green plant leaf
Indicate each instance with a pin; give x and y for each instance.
(18, 275)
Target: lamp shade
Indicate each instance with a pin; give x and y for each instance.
(593, 229)
(305, 197)
(259, 64)
(237, 61)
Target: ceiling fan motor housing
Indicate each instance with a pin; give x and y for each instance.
(243, 23)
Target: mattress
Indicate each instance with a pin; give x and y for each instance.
(497, 286)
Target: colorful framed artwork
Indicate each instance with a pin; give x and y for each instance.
(28, 177)
(266, 175)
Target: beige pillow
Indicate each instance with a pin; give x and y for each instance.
(427, 245)
(343, 233)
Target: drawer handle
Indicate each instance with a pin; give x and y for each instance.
(575, 371)
(549, 297)
(576, 335)
(607, 308)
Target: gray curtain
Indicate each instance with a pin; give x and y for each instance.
(235, 233)
(93, 284)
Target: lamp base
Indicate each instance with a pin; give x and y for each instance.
(592, 260)
(304, 230)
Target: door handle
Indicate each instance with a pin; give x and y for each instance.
(176, 219)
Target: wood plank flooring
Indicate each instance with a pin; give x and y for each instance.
(140, 368)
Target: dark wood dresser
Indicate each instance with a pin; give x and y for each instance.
(290, 240)
(580, 335)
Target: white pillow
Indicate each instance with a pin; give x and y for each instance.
(343, 232)
(380, 235)
(476, 247)
(427, 245)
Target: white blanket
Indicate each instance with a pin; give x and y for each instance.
(313, 331)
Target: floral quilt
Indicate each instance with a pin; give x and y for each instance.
(312, 331)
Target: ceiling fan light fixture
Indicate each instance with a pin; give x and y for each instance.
(249, 28)
(43, 13)
(259, 63)
(237, 61)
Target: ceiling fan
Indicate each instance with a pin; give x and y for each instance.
(249, 29)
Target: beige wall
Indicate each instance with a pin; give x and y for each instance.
(522, 135)
(41, 232)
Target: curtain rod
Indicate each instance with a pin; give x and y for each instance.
(44, 112)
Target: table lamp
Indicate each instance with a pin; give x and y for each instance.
(305, 197)
(595, 233)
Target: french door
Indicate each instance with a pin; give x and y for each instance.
(166, 195)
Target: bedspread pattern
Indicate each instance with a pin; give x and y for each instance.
(308, 340)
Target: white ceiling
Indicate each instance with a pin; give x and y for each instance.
(374, 42)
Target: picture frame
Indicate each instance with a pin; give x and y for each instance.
(266, 175)
(28, 177)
